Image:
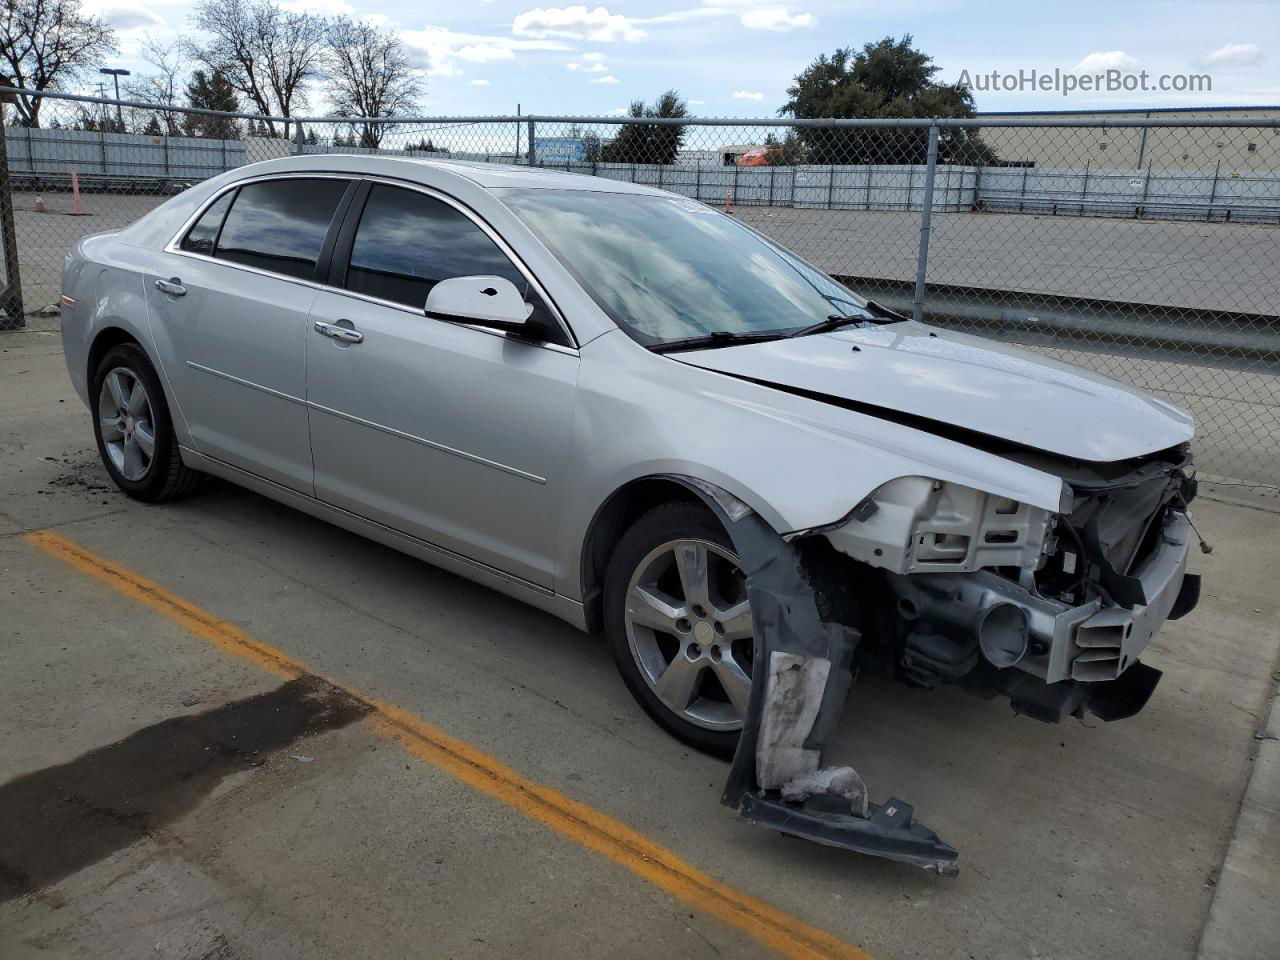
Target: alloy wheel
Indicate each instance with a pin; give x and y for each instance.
(126, 422)
(688, 625)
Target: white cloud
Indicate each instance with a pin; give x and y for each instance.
(617, 112)
(573, 66)
(326, 8)
(479, 83)
(683, 16)
(610, 79)
(590, 68)
(1236, 55)
(1104, 60)
(776, 19)
(696, 103)
(747, 95)
(593, 57)
(577, 23)
(130, 18)
(439, 47)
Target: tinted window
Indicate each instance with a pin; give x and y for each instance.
(280, 225)
(200, 238)
(407, 242)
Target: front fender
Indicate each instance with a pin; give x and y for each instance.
(799, 463)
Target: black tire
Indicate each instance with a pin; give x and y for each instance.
(167, 477)
(664, 523)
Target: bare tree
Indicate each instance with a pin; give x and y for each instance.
(163, 88)
(45, 44)
(371, 76)
(266, 53)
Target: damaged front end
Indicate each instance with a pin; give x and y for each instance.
(940, 583)
(1052, 610)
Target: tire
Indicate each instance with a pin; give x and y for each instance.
(710, 642)
(123, 420)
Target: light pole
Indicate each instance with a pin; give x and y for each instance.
(116, 73)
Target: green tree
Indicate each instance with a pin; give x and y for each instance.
(649, 142)
(888, 79)
(211, 91)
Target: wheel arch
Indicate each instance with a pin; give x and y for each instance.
(104, 340)
(619, 511)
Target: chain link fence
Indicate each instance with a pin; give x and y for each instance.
(1148, 250)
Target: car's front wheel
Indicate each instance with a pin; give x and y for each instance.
(678, 621)
(132, 426)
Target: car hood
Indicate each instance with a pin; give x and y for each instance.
(934, 379)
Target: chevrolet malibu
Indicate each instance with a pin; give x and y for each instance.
(642, 416)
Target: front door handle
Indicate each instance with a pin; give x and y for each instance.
(173, 287)
(336, 332)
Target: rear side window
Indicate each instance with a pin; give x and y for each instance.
(406, 242)
(201, 237)
(280, 225)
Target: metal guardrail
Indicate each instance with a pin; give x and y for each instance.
(1212, 338)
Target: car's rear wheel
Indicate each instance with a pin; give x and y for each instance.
(132, 426)
(678, 622)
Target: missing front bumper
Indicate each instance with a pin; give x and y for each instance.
(805, 615)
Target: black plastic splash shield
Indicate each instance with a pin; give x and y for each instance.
(890, 832)
(800, 608)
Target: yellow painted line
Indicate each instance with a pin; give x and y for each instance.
(576, 821)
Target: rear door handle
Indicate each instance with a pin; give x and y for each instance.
(336, 332)
(173, 287)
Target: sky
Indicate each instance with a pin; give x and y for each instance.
(735, 58)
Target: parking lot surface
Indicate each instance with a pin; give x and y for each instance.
(234, 731)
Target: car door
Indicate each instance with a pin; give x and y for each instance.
(233, 300)
(451, 433)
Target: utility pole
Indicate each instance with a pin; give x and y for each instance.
(116, 73)
(102, 95)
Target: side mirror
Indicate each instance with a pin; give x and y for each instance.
(483, 300)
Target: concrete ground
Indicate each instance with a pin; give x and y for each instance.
(319, 833)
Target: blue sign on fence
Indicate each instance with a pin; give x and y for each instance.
(553, 150)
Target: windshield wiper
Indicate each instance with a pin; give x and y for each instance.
(884, 314)
(833, 322)
(875, 313)
(716, 338)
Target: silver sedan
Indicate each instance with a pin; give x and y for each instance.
(632, 411)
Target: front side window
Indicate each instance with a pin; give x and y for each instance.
(280, 225)
(407, 242)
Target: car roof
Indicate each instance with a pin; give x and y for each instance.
(489, 176)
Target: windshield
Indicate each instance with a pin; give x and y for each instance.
(670, 269)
